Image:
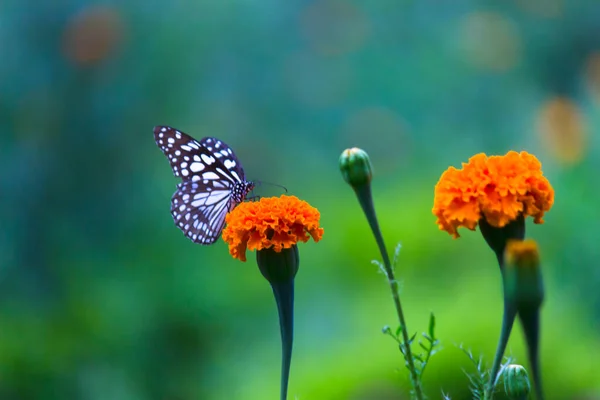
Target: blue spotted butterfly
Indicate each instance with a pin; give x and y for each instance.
(213, 182)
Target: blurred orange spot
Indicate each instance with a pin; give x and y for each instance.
(561, 127)
(92, 35)
(334, 27)
(490, 41)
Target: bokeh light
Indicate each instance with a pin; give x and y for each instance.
(562, 130)
(490, 41)
(92, 35)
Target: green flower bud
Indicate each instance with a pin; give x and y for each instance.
(516, 382)
(356, 167)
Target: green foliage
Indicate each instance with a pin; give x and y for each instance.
(430, 345)
(479, 379)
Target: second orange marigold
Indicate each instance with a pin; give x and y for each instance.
(497, 188)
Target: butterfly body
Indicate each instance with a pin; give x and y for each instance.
(213, 182)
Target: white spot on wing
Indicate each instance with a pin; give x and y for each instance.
(229, 164)
(210, 175)
(196, 166)
(207, 159)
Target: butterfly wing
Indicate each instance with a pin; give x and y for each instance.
(188, 157)
(210, 174)
(226, 155)
(199, 210)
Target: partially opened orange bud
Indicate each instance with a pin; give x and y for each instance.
(522, 276)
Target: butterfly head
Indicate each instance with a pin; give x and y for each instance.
(241, 190)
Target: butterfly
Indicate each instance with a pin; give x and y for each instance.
(213, 182)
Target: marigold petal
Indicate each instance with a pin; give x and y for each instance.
(497, 188)
(273, 222)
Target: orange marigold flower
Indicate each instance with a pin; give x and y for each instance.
(497, 188)
(273, 222)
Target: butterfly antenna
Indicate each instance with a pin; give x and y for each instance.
(258, 183)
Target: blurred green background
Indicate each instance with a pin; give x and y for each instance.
(102, 297)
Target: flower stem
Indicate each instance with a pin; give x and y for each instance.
(284, 297)
(507, 323)
(365, 199)
(530, 320)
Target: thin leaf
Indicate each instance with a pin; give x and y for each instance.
(432, 325)
(399, 330)
(412, 338)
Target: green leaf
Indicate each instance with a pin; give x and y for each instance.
(432, 325)
(399, 330)
(412, 339)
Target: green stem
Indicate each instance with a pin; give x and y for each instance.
(508, 320)
(530, 320)
(366, 202)
(284, 297)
